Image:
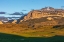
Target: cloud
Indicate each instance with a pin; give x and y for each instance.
(17, 13)
(24, 10)
(2, 12)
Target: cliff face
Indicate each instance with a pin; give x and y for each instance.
(44, 12)
(45, 16)
(33, 14)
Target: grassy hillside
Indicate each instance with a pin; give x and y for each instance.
(31, 32)
(24, 30)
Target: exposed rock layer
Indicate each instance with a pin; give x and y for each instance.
(44, 12)
(44, 16)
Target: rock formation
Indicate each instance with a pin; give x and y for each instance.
(44, 16)
(21, 20)
(50, 18)
(44, 12)
(14, 22)
(1, 22)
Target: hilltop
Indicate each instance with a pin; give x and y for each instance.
(45, 16)
(45, 12)
(46, 22)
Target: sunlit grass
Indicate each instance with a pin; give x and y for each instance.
(17, 29)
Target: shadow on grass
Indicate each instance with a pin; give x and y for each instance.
(15, 38)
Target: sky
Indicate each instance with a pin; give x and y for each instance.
(11, 6)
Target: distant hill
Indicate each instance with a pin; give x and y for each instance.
(46, 22)
(3, 19)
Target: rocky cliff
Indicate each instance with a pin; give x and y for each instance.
(45, 12)
(45, 16)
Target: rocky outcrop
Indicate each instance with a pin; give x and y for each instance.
(44, 16)
(1, 22)
(33, 14)
(14, 22)
(21, 18)
(44, 12)
(50, 18)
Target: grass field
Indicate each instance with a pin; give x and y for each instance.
(15, 38)
(16, 33)
(17, 29)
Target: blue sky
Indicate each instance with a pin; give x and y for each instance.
(11, 6)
